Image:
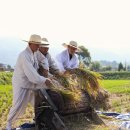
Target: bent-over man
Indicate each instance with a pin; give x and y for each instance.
(67, 59)
(43, 51)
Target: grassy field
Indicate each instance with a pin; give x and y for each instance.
(120, 94)
(5, 102)
(5, 105)
(117, 86)
(119, 98)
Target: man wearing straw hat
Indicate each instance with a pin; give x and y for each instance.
(67, 59)
(25, 76)
(43, 52)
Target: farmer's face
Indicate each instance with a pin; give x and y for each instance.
(71, 50)
(34, 47)
(43, 50)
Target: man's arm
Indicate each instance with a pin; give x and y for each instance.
(31, 72)
(52, 64)
(59, 61)
(75, 63)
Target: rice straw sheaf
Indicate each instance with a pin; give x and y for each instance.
(68, 93)
(72, 84)
(83, 79)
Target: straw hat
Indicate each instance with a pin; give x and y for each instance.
(45, 43)
(72, 44)
(35, 39)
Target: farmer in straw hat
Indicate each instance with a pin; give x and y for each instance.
(25, 76)
(67, 59)
(43, 52)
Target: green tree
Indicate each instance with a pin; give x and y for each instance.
(120, 67)
(128, 67)
(95, 66)
(84, 56)
(107, 68)
(9, 67)
(125, 67)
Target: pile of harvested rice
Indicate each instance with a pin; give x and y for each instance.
(76, 81)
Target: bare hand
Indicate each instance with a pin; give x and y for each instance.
(60, 73)
(48, 83)
(66, 72)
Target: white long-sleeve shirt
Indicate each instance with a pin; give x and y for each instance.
(42, 60)
(25, 75)
(51, 63)
(64, 62)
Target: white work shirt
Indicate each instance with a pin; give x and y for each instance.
(50, 61)
(64, 62)
(25, 78)
(42, 60)
(25, 75)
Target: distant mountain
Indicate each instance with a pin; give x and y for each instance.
(102, 54)
(109, 58)
(11, 47)
(113, 64)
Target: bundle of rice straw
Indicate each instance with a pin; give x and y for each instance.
(67, 93)
(80, 79)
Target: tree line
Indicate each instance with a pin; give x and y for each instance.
(86, 61)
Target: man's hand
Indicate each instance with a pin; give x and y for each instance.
(67, 71)
(60, 73)
(48, 83)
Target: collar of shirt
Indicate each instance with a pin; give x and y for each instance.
(29, 50)
(33, 58)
